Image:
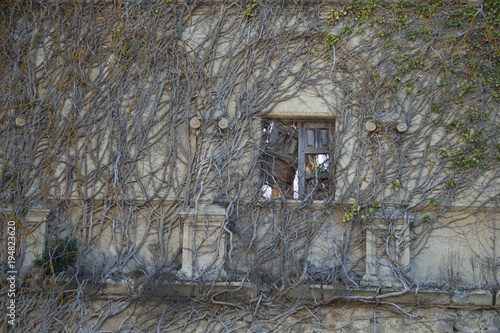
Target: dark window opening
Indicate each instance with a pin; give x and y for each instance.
(297, 160)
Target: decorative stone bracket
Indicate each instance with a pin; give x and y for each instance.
(381, 256)
(31, 235)
(204, 243)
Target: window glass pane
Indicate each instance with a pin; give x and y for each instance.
(323, 160)
(317, 176)
(280, 160)
(292, 150)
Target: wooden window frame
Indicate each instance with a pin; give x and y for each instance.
(318, 128)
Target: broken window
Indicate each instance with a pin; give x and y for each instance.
(297, 160)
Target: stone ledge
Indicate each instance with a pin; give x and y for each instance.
(315, 293)
(319, 294)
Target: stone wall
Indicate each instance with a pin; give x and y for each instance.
(146, 138)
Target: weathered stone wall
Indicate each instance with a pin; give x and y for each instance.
(139, 130)
(343, 317)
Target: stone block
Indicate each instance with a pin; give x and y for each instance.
(408, 298)
(481, 298)
(433, 297)
(473, 298)
(322, 292)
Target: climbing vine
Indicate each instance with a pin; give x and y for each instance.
(97, 106)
